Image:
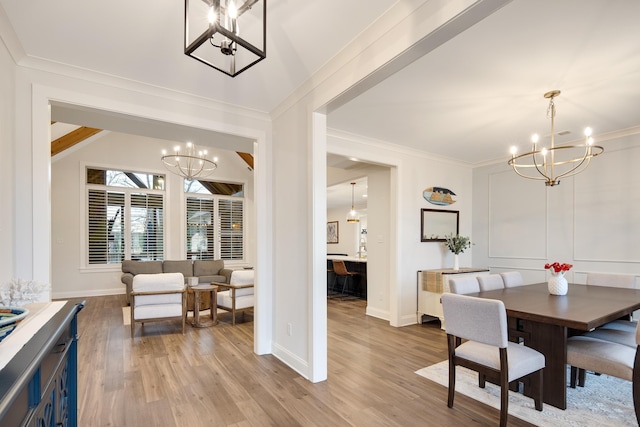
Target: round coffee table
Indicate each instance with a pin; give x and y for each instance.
(197, 291)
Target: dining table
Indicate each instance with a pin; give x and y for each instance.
(545, 321)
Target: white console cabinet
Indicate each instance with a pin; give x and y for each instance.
(432, 284)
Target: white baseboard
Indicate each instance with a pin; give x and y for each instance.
(294, 362)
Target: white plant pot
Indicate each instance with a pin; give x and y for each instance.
(558, 285)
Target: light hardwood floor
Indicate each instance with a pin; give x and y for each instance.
(211, 377)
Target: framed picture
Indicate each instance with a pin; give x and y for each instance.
(332, 232)
(437, 223)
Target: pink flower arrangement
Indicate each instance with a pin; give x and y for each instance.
(558, 268)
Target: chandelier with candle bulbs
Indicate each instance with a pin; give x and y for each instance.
(189, 162)
(550, 164)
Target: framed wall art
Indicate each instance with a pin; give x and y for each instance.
(332, 232)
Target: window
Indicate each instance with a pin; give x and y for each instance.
(125, 216)
(215, 220)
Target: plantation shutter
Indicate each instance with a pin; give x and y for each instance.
(231, 229)
(105, 225)
(200, 231)
(147, 227)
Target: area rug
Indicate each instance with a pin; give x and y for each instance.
(605, 401)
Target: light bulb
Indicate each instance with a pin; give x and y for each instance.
(514, 150)
(590, 141)
(164, 152)
(534, 138)
(176, 148)
(588, 131)
(232, 10)
(212, 15)
(544, 151)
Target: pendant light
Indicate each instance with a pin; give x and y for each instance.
(352, 216)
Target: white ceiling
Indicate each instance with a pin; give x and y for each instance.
(468, 100)
(474, 97)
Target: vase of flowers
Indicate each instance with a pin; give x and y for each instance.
(457, 244)
(558, 284)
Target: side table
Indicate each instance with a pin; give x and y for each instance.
(197, 291)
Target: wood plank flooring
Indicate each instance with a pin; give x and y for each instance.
(211, 377)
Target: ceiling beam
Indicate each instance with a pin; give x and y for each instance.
(72, 138)
(248, 158)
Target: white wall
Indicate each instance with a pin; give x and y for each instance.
(7, 180)
(589, 220)
(70, 277)
(347, 233)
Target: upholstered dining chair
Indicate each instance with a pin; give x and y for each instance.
(464, 285)
(614, 280)
(160, 296)
(490, 282)
(605, 357)
(483, 323)
(512, 279)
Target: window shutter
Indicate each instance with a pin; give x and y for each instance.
(231, 229)
(200, 231)
(105, 225)
(147, 226)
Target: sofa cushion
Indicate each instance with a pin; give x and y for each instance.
(241, 277)
(141, 267)
(209, 279)
(185, 267)
(207, 267)
(225, 300)
(158, 282)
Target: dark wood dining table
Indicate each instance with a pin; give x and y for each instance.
(545, 321)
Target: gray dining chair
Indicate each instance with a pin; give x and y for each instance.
(464, 285)
(490, 282)
(605, 357)
(621, 331)
(488, 351)
(512, 279)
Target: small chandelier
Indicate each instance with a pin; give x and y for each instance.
(554, 163)
(212, 33)
(352, 216)
(190, 163)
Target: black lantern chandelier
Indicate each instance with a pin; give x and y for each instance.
(212, 33)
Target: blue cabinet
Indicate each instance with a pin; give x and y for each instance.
(39, 386)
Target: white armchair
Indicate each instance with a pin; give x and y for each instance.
(159, 296)
(239, 296)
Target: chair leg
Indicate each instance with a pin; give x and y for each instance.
(482, 379)
(636, 384)
(538, 391)
(582, 376)
(344, 284)
(574, 376)
(504, 399)
(452, 383)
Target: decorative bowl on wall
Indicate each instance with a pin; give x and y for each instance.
(9, 319)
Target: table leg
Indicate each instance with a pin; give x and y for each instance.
(214, 306)
(550, 340)
(196, 308)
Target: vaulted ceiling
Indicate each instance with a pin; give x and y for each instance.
(469, 100)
